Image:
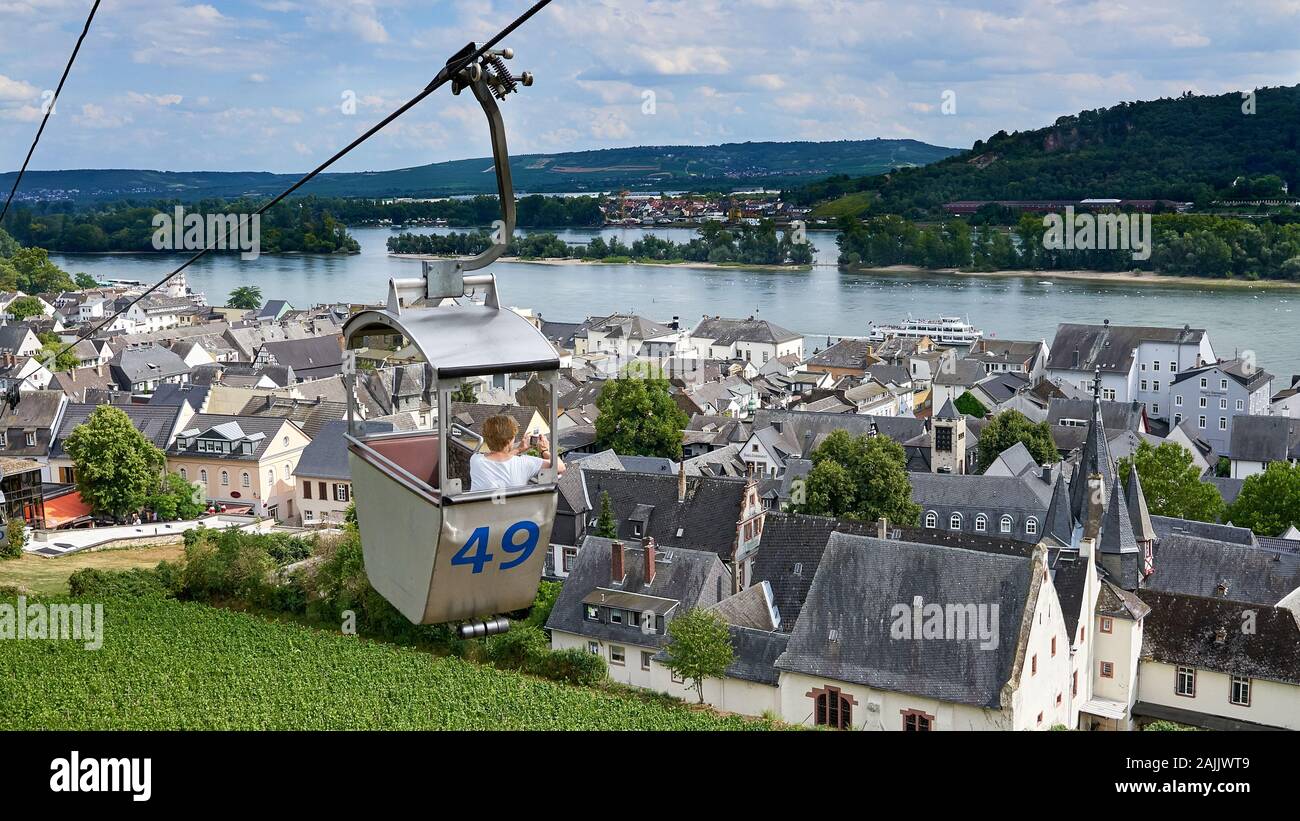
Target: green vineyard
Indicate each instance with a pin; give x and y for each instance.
(168, 665)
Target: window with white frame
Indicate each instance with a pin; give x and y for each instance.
(1223, 423)
(1201, 422)
(931, 519)
(1031, 526)
(954, 521)
(1005, 524)
(225, 478)
(341, 492)
(245, 480)
(1240, 691)
(1241, 404)
(1185, 682)
(1178, 401)
(1223, 404)
(981, 523)
(203, 476)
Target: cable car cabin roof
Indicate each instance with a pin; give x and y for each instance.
(464, 340)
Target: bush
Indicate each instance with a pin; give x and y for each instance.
(93, 583)
(222, 564)
(17, 539)
(547, 593)
(572, 666)
(519, 648)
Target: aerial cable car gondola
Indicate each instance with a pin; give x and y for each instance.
(436, 548)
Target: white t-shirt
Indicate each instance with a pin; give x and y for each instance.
(487, 474)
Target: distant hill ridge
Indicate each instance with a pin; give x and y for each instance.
(711, 167)
(1188, 148)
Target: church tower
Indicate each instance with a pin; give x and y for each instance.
(948, 441)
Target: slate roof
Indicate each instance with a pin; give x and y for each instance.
(232, 426)
(35, 409)
(962, 373)
(136, 365)
(327, 455)
(1110, 347)
(796, 424)
(788, 555)
(990, 493)
(705, 521)
(1206, 633)
(173, 394)
(1264, 438)
(1240, 371)
(12, 336)
(1166, 526)
(620, 326)
(1002, 386)
(843, 632)
(561, 333)
(156, 422)
(730, 331)
(753, 655)
(691, 578)
(1197, 567)
(847, 353)
(752, 607)
(1010, 351)
(310, 414)
(314, 355)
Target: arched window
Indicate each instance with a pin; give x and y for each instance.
(931, 519)
(954, 521)
(1031, 526)
(270, 476)
(203, 476)
(833, 708)
(185, 475)
(981, 523)
(1005, 524)
(225, 478)
(286, 471)
(245, 479)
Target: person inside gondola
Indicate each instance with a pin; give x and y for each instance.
(507, 463)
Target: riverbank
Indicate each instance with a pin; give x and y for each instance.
(1113, 277)
(627, 261)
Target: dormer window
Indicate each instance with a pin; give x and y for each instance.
(591, 612)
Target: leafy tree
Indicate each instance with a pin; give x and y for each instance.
(1269, 502)
(1009, 427)
(606, 527)
(16, 539)
(970, 406)
(116, 466)
(53, 355)
(246, 297)
(175, 500)
(863, 477)
(543, 603)
(465, 393)
(37, 275)
(638, 417)
(24, 307)
(1172, 484)
(699, 647)
(8, 245)
(85, 281)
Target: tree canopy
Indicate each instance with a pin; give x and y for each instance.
(970, 406)
(863, 477)
(1269, 502)
(699, 647)
(1171, 483)
(246, 297)
(606, 527)
(117, 468)
(1009, 427)
(638, 417)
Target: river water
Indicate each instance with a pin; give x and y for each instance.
(819, 302)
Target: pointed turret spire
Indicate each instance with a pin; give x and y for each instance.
(1060, 524)
(1095, 459)
(1136, 501)
(1120, 554)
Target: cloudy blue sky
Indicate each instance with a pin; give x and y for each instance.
(257, 84)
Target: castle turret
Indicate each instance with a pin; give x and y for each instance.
(948, 441)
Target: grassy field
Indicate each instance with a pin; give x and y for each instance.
(49, 576)
(176, 665)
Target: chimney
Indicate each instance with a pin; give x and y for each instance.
(681, 481)
(616, 573)
(1221, 635)
(882, 528)
(1047, 474)
(649, 546)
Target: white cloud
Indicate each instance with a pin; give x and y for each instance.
(16, 89)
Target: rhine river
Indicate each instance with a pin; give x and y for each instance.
(819, 302)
